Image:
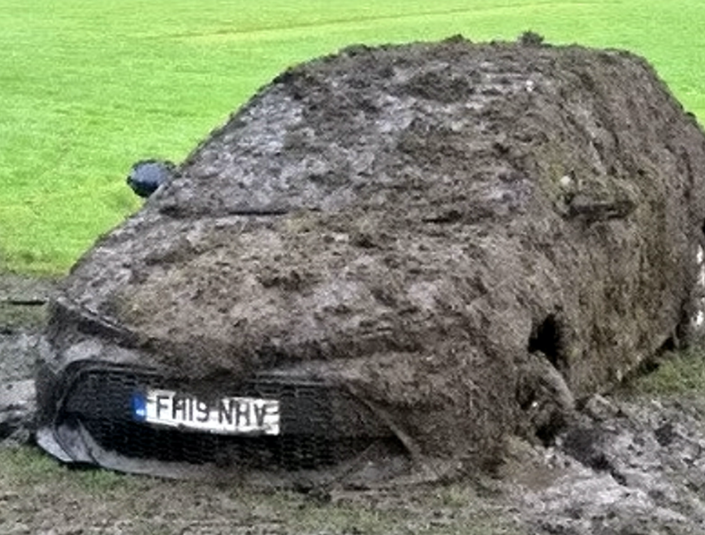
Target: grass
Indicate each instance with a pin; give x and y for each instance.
(38, 493)
(90, 87)
(678, 373)
(30, 467)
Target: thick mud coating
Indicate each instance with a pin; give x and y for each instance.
(468, 237)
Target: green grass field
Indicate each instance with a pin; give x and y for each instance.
(89, 87)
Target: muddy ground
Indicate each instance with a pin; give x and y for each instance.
(629, 464)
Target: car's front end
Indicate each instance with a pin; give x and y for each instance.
(99, 405)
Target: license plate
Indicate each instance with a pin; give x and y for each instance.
(227, 416)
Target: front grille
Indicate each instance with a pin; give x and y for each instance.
(319, 425)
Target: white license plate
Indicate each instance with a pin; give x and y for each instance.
(228, 416)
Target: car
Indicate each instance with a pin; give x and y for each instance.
(388, 261)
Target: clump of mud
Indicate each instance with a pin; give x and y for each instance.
(468, 237)
(22, 317)
(626, 466)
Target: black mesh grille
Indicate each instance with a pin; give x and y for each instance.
(319, 425)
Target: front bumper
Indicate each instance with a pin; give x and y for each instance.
(86, 416)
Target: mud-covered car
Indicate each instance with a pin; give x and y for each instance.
(406, 252)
